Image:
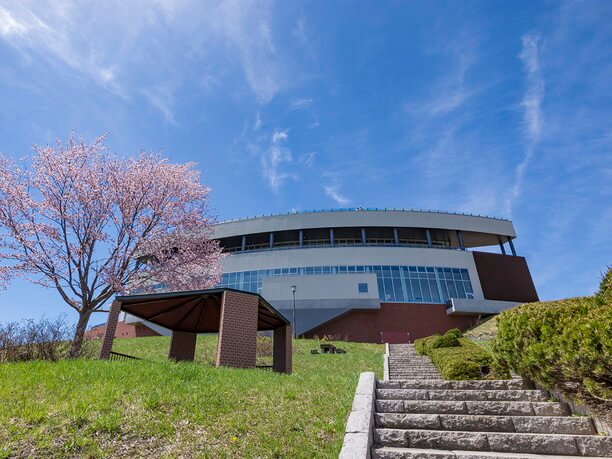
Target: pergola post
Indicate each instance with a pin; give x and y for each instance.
(111, 326)
(182, 346)
(238, 330)
(282, 353)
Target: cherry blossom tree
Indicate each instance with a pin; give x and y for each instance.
(91, 224)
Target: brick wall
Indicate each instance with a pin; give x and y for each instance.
(182, 346)
(283, 349)
(238, 330)
(109, 334)
(123, 330)
(392, 322)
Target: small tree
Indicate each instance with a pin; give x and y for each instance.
(91, 224)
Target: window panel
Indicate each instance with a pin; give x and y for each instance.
(425, 290)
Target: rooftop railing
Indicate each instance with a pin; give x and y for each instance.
(365, 209)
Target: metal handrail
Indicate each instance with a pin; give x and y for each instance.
(119, 356)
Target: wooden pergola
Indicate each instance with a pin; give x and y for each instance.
(236, 315)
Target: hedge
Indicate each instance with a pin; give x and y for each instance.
(565, 344)
(467, 361)
(457, 357)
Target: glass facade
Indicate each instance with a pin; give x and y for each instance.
(402, 284)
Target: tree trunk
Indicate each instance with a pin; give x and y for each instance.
(79, 334)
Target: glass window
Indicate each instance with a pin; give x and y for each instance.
(397, 286)
(389, 296)
(416, 290)
(362, 287)
(435, 294)
(425, 290)
(452, 291)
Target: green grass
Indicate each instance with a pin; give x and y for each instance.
(92, 408)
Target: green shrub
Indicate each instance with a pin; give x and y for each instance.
(562, 344)
(441, 342)
(421, 343)
(468, 361)
(455, 332)
(604, 295)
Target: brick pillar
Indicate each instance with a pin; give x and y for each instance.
(182, 346)
(238, 330)
(111, 326)
(283, 353)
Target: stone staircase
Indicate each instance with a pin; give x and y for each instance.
(419, 415)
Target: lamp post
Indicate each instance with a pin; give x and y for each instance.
(293, 289)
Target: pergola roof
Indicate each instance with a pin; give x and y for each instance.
(196, 311)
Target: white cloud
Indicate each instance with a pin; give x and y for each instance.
(279, 136)
(272, 162)
(333, 193)
(307, 160)
(258, 122)
(532, 111)
(124, 46)
(300, 103)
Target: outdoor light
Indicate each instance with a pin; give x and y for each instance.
(293, 289)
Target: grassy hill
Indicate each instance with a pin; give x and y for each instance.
(153, 407)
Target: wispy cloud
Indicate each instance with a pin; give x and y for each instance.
(333, 192)
(272, 161)
(532, 111)
(300, 103)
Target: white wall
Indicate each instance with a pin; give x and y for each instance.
(388, 218)
(359, 255)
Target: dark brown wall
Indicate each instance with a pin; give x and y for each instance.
(123, 331)
(505, 277)
(391, 322)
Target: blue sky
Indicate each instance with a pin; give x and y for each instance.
(496, 108)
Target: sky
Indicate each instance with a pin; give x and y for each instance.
(493, 108)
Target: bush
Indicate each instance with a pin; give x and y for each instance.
(455, 332)
(563, 344)
(467, 361)
(604, 295)
(45, 339)
(421, 343)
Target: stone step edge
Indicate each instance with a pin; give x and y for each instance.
(506, 447)
(378, 452)
(476, 418)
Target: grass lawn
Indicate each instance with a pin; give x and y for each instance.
(153, 407)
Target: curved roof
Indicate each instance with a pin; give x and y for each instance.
(366, 218)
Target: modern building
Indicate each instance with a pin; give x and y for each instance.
(376, 275)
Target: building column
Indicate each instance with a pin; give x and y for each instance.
(182, 346)
(238, 330)
(301, 238)
(282, 354)
(331, 236)
(501, 246)
(396, 236)
(428, 236)
(511, 246)
(243, 244)
(271, 240)
(364, 239)
(460, 237)
(111, 327)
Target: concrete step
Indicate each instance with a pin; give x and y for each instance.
(385, 452)
(490, 408)
(461, 395)
(571, 425)
(562, 445)
(501, 384)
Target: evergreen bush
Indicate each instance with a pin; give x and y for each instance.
(565, 344)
